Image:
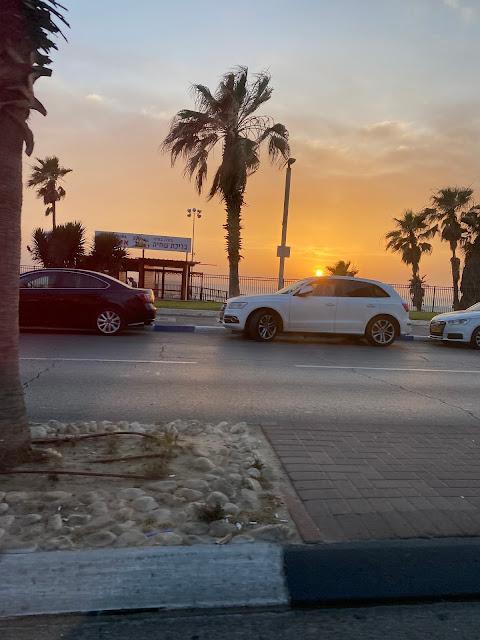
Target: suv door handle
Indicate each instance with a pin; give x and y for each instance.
(330, 304)
(371, 306)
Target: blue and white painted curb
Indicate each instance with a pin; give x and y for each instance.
(238, 575)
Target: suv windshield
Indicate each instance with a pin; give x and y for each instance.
(294, 287)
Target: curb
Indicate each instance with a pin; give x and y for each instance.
(186, 313)
(238, 575)
(188, 328)
(410, 338)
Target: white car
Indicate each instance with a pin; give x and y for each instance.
(330, 305)
(458, 326)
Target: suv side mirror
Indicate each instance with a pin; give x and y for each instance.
(304, 290)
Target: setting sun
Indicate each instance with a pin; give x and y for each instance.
(319, 272)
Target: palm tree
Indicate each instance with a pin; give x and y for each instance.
(342, 268)
(107, 255)
(449, 205)
(227, 118)
(45, 176)
(26, 28)
(409, 239)
(62, 247)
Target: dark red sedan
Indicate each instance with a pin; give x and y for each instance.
(81, 299)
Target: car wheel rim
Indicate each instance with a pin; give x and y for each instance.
(383, 331)
(108, 322)
(477, 339)
(267, 327)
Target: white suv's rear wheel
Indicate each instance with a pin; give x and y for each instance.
(381, 331)
(263, 326)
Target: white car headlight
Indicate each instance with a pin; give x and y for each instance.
(463, 321)
(237, 305)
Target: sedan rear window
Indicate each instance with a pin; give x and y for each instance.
(352, 289)
(81, 281)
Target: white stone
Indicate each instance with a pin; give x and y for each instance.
(163, 485)
(254, 473)
(98, 522)
(55, 424)
(162, 517)
(145, 504)
(231, 509)
(57, 496)
(250, 500)
(72, 429)
(136, 427)
(217, 498)
(38, 432)
(123, 425)
(60, 542)
(168, 539)
(252, 485)
(30, 518)
(222, 426)
(14, 497)
(203, 464)
(240, 427)
(223, 486)
(235, 478)
(55, 522)
(271, 533)
(78, 519)
(3, 508)
(130, 538)
(131, 493)
(242, 539)
(219, 529)
(99, 507)
(198, 485)
(101, 539)
(189, 494)
(121, 527)
(124, 513)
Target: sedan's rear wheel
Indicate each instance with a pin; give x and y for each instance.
(475, 340)
(381, 331)
(263, 326)
(109, 322)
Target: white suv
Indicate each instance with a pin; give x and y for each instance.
(335, 304)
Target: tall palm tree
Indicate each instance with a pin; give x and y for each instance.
(46, 176)
(227, 118)
(470, 283)
(26, 29)
(449, 205)
(342, 268)
(409, 239)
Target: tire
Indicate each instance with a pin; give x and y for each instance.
(381, 331)
(109, 322)
(263, 326)
(475, 339)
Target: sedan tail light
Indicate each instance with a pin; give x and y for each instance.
(405, 306)
(146, 295)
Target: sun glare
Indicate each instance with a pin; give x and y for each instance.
(319, 272)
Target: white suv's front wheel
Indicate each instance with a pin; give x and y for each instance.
(263, 326)
(381, 331)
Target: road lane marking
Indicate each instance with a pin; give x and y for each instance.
(110, 360)
(354, 368)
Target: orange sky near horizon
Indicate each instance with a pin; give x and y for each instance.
(355, 171)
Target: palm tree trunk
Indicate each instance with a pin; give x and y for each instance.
(14, 430)
(233, 227)
(54, 215)
(455, 263)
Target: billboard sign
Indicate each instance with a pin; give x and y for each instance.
(155, 243)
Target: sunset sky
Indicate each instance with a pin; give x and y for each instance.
(381, 99)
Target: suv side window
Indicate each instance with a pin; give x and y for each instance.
(80, 281)
(327, 288)
(354, 289)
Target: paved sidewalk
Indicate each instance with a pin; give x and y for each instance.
(400, 481)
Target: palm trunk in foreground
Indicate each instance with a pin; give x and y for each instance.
(232, 228)
(455, 262)
(14, 431)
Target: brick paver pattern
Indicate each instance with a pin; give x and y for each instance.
(367, 483)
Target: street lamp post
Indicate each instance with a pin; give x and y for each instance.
(282, 250)
(194, 214)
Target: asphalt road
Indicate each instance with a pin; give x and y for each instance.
(443, 621)
(148, 376)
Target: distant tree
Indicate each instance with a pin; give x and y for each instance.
(342, 268)
(470, 283)
(27, 32)
(46, 176)
(449, 205)
(107, 254)
(64, 246)
(409, 240)
(227, 118)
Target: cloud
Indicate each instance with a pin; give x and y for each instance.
(466, 12)
(94, 97)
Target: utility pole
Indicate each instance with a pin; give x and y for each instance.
(282, 250)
